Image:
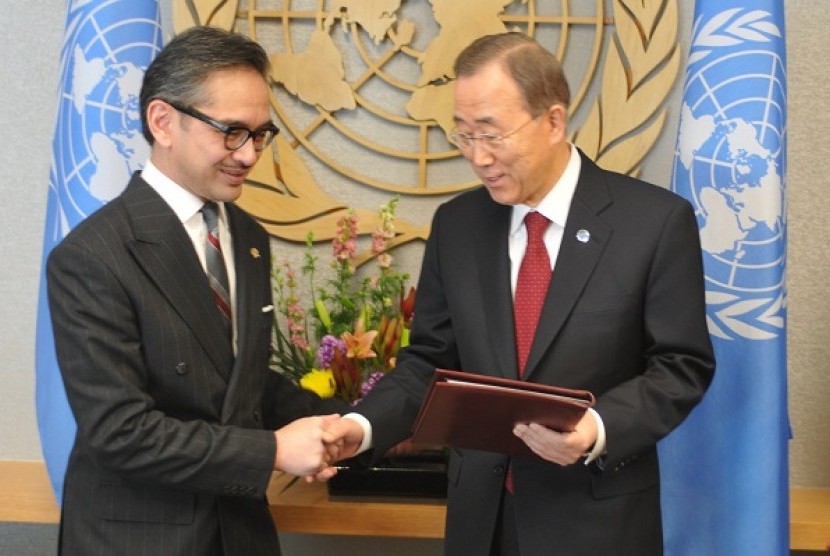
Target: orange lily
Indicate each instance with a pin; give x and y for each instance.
(359, 344)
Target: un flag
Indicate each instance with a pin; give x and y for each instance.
(97, 145)
(728, 461)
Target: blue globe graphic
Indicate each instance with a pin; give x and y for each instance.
(735, 179)
(98, 141)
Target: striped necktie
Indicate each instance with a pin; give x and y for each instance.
(214, 261)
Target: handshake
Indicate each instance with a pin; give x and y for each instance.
(309, 447)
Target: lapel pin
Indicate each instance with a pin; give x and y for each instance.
(255, 252)
(583, 236)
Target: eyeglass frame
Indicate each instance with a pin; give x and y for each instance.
(227, 130)
(489, 140)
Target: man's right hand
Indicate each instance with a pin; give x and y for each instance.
(301, 450)
(344, 437)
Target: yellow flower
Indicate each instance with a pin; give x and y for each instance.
(319, 381)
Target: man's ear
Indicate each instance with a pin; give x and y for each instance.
(160, 121)
(557, 119)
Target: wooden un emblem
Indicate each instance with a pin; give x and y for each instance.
(363, 91)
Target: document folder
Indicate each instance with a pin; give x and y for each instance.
(473, 411)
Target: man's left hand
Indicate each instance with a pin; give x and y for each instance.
(564, 448)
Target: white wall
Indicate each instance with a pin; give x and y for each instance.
(28, 101)
(809, 228)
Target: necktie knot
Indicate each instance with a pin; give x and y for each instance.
(536, 224)
(210, 212)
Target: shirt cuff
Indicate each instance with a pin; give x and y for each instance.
(599, 445)
(367, 431)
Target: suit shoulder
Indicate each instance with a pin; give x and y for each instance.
(618, 179)
(640, 191)
(100, 226)
(619, 183)
(97, 236)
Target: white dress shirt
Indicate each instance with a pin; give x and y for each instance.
(187, 207)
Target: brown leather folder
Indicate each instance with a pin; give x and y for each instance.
(468, 410)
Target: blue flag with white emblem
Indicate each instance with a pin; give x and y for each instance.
(97, 145)
(724, 470)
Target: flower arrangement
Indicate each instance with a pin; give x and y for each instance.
(348, 336)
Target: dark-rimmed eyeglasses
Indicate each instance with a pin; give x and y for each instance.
(493, 141)
(235, 136)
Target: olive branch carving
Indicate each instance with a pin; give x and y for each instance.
(218, 13)
(642, 64)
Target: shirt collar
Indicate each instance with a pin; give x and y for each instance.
(557, 203)
(184, 203)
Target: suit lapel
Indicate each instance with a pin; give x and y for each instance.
(494, 280)
(577, 258)
(165, 252)
(251, 280)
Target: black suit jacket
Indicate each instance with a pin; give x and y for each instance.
(624, 317)
(172, 455)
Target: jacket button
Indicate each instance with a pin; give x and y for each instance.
(181, 368)
(498, 470)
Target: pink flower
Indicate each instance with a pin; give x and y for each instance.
(384, 260)
(378, 243)
(343, 250)
(296, 323)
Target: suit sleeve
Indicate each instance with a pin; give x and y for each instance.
(679, 363)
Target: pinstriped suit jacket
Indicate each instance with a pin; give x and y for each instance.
(172, 454)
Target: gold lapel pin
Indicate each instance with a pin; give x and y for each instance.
(255, 252)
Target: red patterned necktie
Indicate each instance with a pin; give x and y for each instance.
(215, 265)
(532, 286)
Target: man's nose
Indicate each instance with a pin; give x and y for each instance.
(479, 155)
(247, 154)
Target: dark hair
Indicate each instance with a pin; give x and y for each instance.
(536, 71)
(179, 70)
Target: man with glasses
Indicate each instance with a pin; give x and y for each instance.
(556, 272)
(162, 311)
